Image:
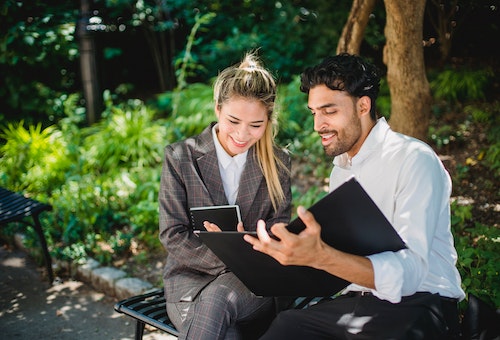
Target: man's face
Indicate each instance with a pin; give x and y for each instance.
(336, 119)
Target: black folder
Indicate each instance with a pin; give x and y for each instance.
(226, 217)
(350, 221)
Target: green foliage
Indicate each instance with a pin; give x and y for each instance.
(311, 196)
(293, 115)
(463, 84)
(445, 134)
(38, 56)
(186, 66)
(384, 99)
(33, 159)
(127, 138)
(490, 117)
(195, 110)
(478, 248)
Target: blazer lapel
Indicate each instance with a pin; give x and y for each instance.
(208, 167)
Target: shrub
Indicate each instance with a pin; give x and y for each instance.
(33, 159)
(463, 84)
(478, 249)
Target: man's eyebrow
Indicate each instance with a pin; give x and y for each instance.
(324, 106)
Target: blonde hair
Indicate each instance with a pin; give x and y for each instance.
(250, 80)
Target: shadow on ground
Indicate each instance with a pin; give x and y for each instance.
(32, 309)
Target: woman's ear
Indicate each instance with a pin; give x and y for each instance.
(217, 111)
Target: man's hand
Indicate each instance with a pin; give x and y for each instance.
(291, 249)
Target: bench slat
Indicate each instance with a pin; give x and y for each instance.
(14, 207)
(148, 308)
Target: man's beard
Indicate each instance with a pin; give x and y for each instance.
(350, 137)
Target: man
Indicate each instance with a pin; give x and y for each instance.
(409, 294)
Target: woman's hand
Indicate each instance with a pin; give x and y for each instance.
(214, 227)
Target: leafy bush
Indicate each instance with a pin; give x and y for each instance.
(463, 84)
(478, 248)
(128, 138)
(33, 159)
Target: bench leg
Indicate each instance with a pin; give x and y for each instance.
(139, 330)
(43, 243)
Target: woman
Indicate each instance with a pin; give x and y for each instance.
(233, 161)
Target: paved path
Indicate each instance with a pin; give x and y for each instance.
(71, 310)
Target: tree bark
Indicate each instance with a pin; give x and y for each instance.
(406, 76)
(354, 29)
(442, 21)
(88, 66)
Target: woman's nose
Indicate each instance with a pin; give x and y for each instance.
(243, 131)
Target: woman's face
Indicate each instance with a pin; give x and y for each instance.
(242, 122)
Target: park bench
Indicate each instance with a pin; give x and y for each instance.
(480, 321)
(149, 309)
(15, 207)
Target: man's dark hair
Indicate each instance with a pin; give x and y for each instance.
(344, 72)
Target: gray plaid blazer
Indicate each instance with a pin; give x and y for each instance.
(190, 177)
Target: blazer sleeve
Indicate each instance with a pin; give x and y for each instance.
(175, 232)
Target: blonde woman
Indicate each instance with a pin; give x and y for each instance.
(233, 161)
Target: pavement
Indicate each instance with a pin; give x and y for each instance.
(30, 308)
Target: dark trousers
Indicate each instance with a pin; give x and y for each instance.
(353, 316)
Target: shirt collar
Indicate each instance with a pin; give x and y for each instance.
(376, 136)
(224, 158)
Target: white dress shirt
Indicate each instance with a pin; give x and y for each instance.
(230, 168)
(410, 185)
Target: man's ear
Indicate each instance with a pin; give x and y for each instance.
(364, 106)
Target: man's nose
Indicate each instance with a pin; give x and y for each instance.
(318, 122)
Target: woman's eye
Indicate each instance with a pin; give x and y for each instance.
(256, 126)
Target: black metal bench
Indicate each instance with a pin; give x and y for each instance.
(15, 207)
(480, 320)
(149, 309)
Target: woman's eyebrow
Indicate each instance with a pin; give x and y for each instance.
(236, 118)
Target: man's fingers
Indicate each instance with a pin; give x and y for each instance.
(262, 232)
(308, 218)
(262, 240)
(239, 227)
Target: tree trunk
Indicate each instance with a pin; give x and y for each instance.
(404, 57)
(88, 65)
(354, 29)
(162, 57)
(442, 21)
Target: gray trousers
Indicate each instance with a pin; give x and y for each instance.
(218, 310)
